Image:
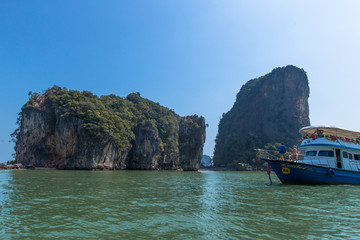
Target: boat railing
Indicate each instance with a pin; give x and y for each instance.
(267, 154)
(315, 160)
(273, 154)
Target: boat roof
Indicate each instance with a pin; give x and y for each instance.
(330, 130)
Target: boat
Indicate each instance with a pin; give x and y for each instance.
(326, 155)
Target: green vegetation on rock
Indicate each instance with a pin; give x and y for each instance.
(111, 116)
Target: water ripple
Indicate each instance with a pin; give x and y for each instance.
(172, 205)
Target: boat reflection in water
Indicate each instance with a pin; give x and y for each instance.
(331, 155)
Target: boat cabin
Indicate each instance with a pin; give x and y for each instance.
(330, 147)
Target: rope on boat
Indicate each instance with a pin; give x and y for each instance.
(268, 172)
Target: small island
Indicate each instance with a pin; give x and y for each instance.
(67, 129)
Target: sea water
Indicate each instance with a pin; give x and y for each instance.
(45, 204)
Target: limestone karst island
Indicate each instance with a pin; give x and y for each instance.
(67, 129)
(268, 110)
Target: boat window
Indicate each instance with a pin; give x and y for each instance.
(356, 156)
(350, 156)
(345, 154)
(310, 153)
(326, 153)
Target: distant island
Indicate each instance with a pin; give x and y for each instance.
(268, 110)
(67, 129)
(206, 161)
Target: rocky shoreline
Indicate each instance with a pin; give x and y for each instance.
(19, 166)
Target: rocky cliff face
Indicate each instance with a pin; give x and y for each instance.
(268, 109)
(191, 142)
(146, 151)
(49, 140)
(50, 136)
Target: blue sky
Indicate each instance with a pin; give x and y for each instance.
(191, 56)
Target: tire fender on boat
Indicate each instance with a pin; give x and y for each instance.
(331, 173)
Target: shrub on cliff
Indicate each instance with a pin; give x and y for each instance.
(98, 120)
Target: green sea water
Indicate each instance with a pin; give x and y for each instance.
(43, 204)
